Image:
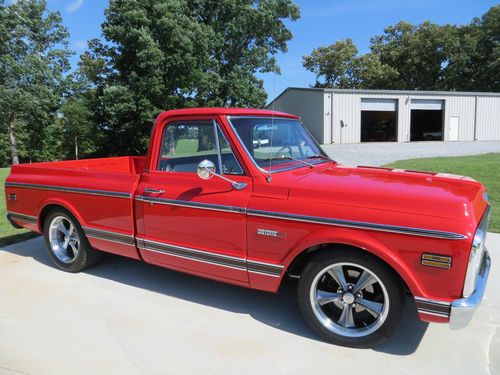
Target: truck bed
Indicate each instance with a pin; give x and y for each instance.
(98, 192)
(123, 164)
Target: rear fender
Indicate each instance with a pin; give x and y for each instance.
(59, 202)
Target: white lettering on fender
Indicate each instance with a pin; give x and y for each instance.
(270, 233)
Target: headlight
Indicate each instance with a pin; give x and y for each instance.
(476, 255)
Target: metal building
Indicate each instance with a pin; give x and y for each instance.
(353, 116)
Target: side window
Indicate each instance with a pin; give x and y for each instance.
(229, 162)
(185, 144)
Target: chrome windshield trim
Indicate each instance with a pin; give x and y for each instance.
(359, 225)
(228, 119)
(104, 193)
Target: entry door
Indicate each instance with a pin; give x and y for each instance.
(453, 129)
(189, 223)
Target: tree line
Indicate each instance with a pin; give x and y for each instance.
(152, 56)
(165, 54)
(416, 57)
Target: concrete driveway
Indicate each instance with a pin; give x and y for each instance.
(126, 317)
(377, 154)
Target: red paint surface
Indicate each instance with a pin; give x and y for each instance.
(363, 194)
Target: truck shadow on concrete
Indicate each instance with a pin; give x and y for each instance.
(276, 310)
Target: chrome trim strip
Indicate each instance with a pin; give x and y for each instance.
(462, 309)
(433, 307)
(111, 236)
(423, 311)
(264, 273)
(190, 258)
(435, 302)
(476, 253)
(189, 204)
(242, 264)
(104, 193)
(256, 262)
(264, 268)
(197, 255)
(22, 217)
(358, 225)
(308, 219)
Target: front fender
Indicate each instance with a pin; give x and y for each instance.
(362, 240)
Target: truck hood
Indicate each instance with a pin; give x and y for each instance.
(444, 196)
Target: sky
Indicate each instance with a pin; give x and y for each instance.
(322, 22)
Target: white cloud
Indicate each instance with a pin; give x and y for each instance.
(80, 44)
(74, 6)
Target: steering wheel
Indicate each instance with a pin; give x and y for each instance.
(290, 151)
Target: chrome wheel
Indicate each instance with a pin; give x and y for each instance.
(349, 300)
(63, 239)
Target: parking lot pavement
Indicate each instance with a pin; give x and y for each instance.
(377, 154)
(126, 317)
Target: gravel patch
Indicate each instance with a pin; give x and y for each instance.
(377, 154)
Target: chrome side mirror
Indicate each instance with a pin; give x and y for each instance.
(206, 170)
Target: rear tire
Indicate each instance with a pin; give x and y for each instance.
(67, 245)
(350, 298)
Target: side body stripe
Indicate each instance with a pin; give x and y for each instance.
(432, 307)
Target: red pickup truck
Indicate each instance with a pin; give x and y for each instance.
(248, 197)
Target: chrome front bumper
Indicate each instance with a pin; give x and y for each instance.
(462, 309)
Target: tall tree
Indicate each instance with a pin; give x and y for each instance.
(79, 132)
(33, 58)
(417, 53)
(336, 64)
(165, 54)
(340, 66)
(474, 62)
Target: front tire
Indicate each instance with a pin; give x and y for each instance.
(350, 298)
(66, 243)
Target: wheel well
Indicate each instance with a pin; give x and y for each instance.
(295, 269)
(45, 211)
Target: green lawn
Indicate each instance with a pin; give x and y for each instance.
(8, 234)
(483, 168)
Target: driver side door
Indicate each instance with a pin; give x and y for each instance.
(191, 224)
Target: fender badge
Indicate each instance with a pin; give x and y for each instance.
(270, 233)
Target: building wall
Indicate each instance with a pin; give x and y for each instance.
(324, 111)
(347, 108)
(488, 119)
(310, 106)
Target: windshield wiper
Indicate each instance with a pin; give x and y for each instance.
(284, 157)
(319, 156)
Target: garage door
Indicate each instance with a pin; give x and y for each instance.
(427, 105)
(379, 120)
(426, 121)
(368, 104)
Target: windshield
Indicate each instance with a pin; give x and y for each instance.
(277, 143)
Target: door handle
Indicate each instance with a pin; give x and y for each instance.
(153, 191)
